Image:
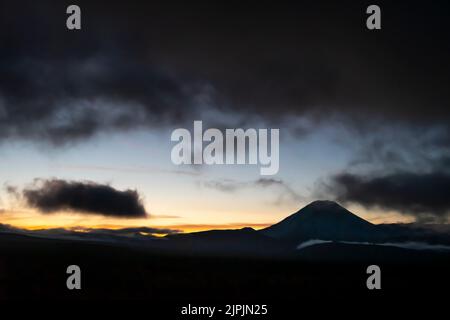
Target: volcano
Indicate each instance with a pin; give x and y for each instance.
(324, 220)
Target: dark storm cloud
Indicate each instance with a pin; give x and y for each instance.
(423, 195)
(59, 86)
(146, 64)
(50, 196)
(80, 98)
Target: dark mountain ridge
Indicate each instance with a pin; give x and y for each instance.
(325, 220)
(314, 226)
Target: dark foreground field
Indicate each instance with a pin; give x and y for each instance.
(33, 268)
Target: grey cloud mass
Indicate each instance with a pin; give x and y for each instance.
(146, 65)
(49, 196)
(425, 196)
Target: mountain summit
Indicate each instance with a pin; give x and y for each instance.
(325, 220)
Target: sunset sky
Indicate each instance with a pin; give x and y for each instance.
(363, 115)
(172, 195)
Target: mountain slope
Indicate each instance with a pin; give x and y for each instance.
(244, 241)
(325, 220)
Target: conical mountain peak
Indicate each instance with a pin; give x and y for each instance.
(323, 219)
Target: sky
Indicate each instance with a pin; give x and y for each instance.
(86, 115)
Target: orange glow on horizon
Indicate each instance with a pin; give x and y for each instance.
(33, 220)
(181, 228)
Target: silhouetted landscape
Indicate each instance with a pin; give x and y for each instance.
(322, 249)
(169, 153)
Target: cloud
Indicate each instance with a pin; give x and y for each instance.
(161, 66)
(312, 242)
(225, 185)
(158, 67)
(137, 170)
(418, 246)
(405, 245)
(134, 231)
(423, 195)
(400, 148)
(101, 94)
(82, 233)
(286, 192)
(12, 190)
(54, 195)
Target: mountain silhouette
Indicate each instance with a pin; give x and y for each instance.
(245, 241)
(325, 220)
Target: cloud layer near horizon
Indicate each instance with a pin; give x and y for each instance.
(425, 196)
(96, 234)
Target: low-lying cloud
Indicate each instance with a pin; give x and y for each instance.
(423, 195)
(82, 233)
(50, 196)
(412, 245)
